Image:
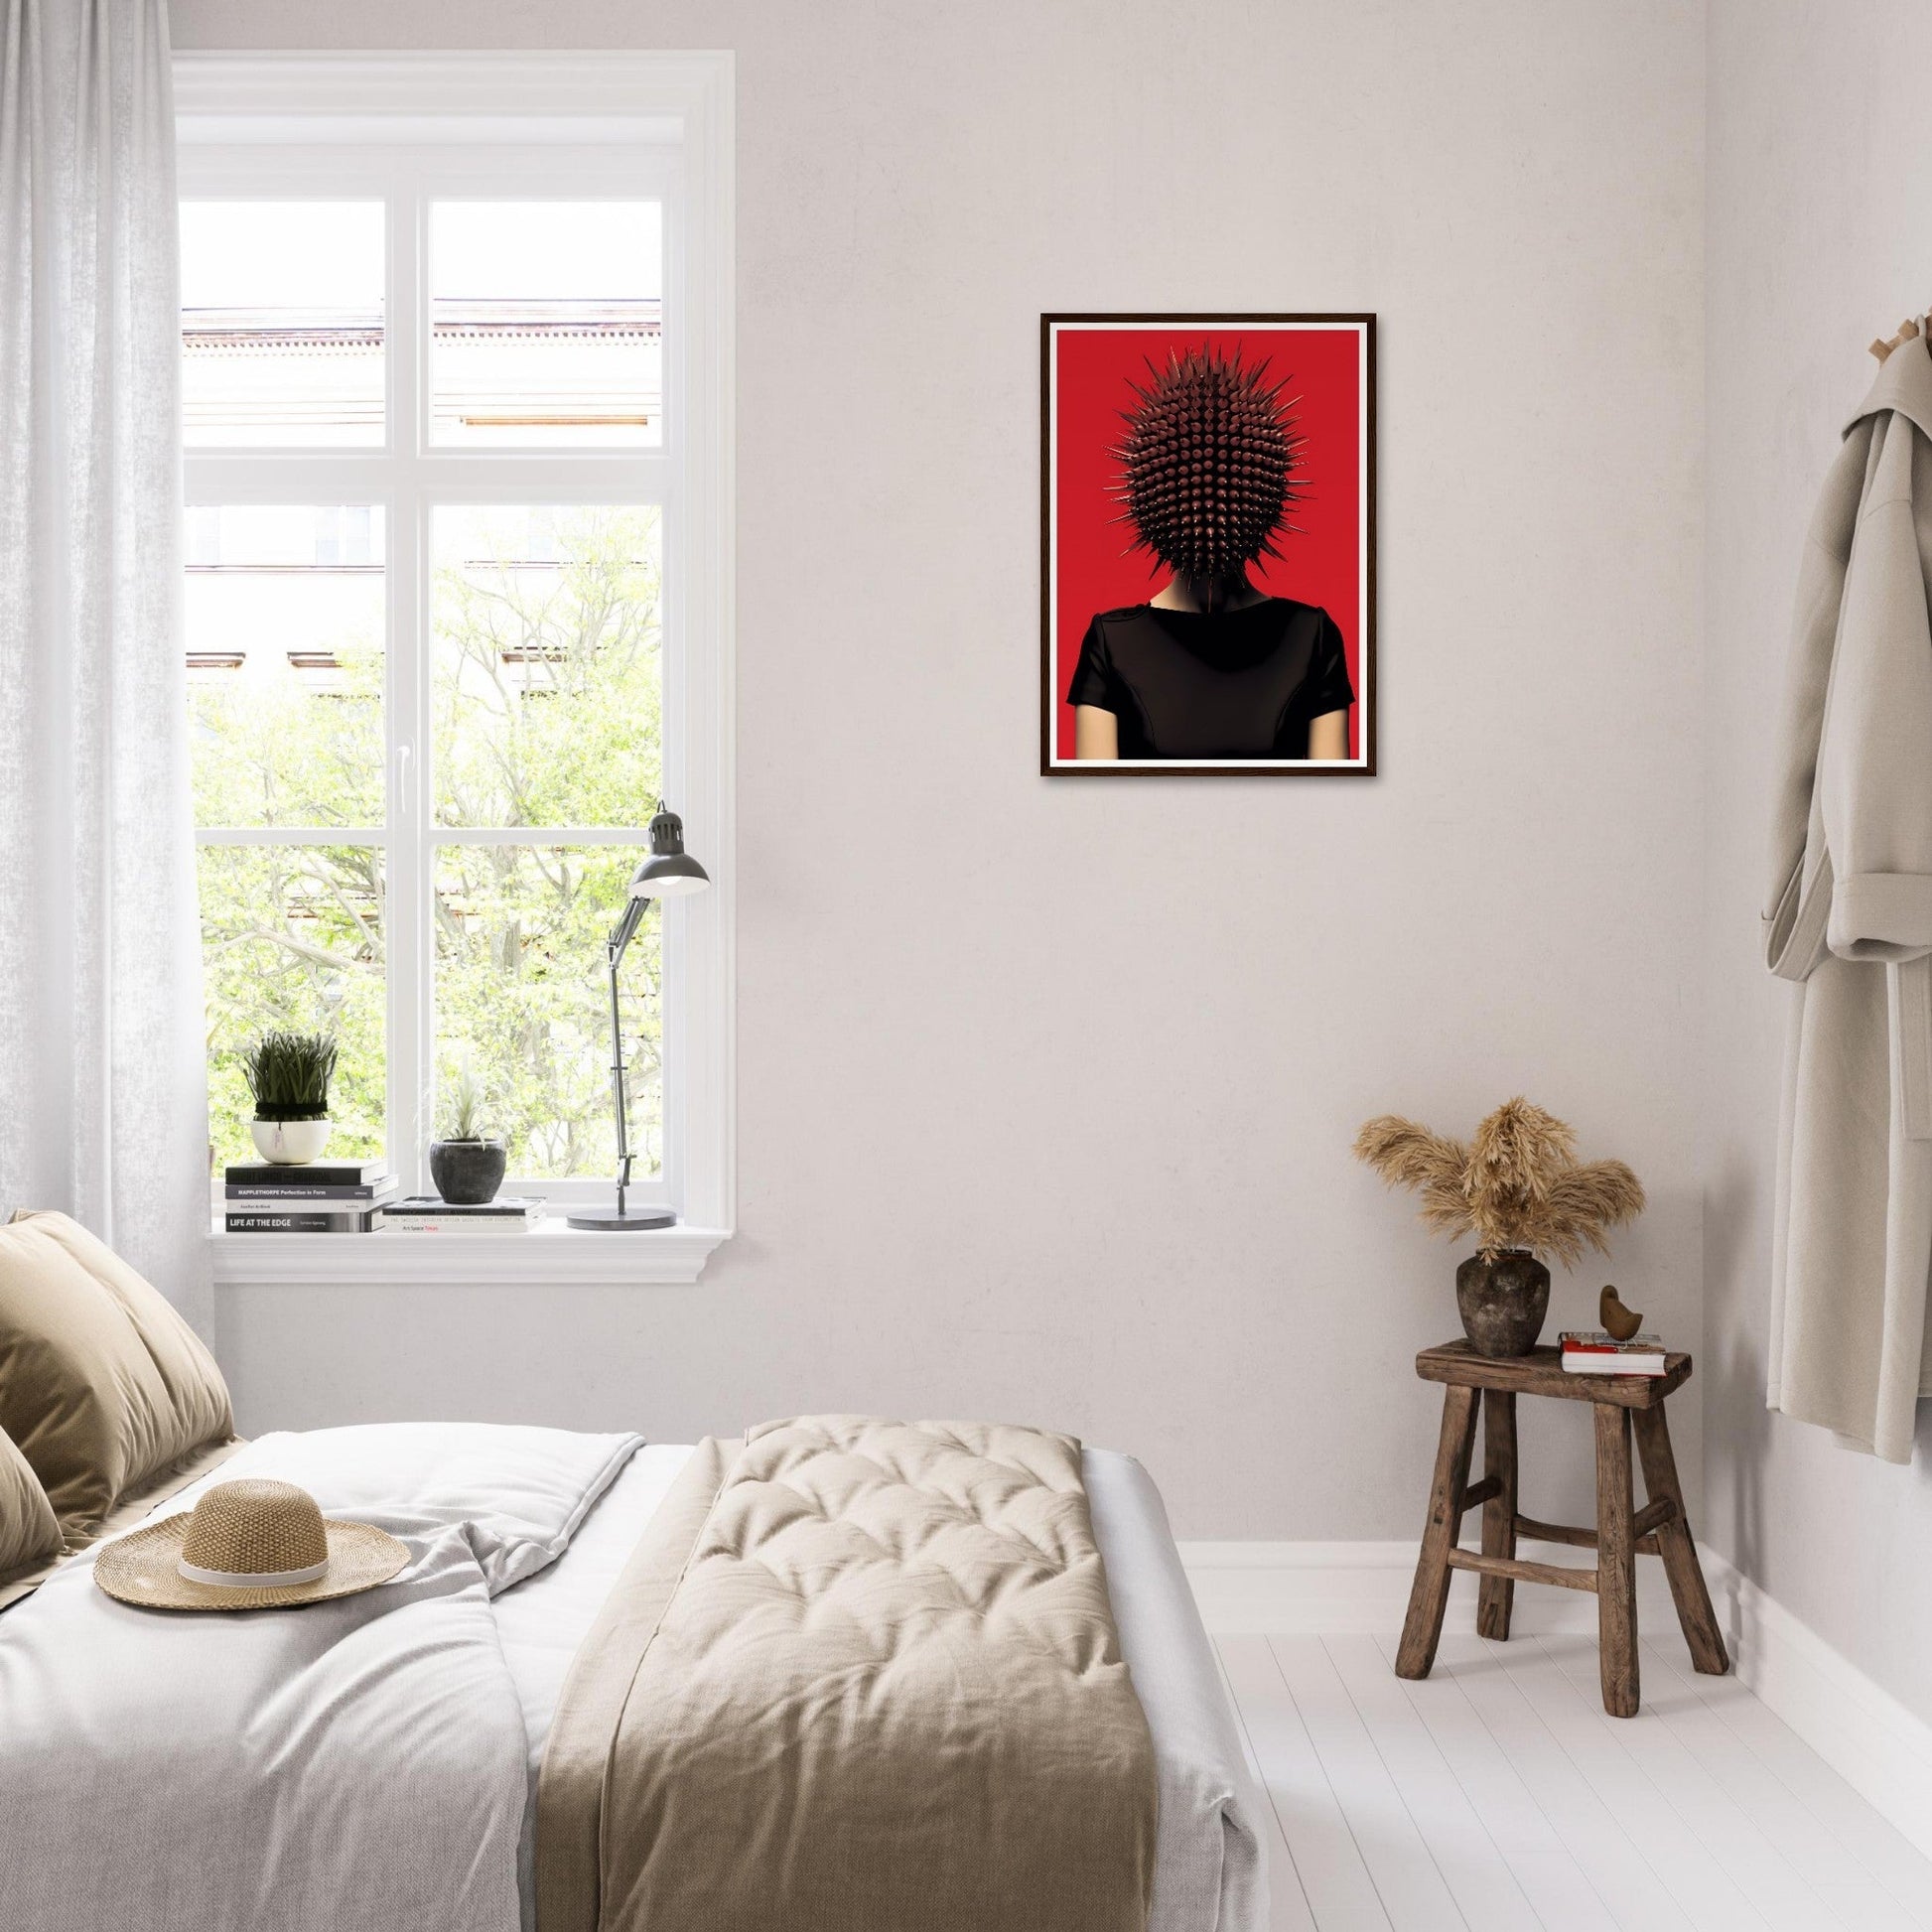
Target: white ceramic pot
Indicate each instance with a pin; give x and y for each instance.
(290, 1143)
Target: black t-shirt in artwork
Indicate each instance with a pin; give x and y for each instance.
(1222, 684)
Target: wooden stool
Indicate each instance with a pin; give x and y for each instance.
(1659, 1529)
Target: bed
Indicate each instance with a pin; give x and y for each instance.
(840, 1674)
(507, 1641)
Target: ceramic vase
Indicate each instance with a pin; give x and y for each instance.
(1503, 1300)
(468, 1174)
(290, 1143)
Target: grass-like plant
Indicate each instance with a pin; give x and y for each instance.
(289, 1075)
(1516, 1184)
(463, 1118)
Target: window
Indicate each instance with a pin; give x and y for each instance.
(456, 597)
(546, 324)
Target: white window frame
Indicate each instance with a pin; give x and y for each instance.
(400, 128)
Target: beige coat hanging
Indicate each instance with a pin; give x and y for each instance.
(1851, 919)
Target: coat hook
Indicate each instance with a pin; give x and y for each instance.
(1908, 331)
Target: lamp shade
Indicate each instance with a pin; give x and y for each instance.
(670, 870)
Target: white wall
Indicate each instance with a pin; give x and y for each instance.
(1046, 1089)
(1820, 177)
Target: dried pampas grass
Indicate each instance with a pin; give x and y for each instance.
(1517, 1185)
(1432, 1165)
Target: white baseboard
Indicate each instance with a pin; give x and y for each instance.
(1873, 1742)
(1878, 1746)
(1355, 1588)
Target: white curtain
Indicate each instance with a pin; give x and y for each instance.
(102, 1068)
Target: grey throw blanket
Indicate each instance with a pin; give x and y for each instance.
(349, 1767)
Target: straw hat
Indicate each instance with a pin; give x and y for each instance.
(249, 1545)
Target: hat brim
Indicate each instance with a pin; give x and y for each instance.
(143, 1569)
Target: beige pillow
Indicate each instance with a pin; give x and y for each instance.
(28, 1534)
(101, 1382)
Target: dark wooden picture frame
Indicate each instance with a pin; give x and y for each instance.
(1058, 638)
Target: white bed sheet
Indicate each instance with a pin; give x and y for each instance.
(1210, 1873)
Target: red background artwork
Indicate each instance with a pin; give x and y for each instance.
(1092, 566)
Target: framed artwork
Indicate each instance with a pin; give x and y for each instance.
(1207, 544)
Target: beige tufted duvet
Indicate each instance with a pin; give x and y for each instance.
(860, 1675)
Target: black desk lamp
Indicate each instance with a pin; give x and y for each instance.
(668, 873)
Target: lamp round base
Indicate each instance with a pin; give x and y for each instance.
(609, 1219)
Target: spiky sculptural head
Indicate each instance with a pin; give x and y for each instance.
(1209, 464)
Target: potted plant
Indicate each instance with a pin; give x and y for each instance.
(289, 1075)
(1519, 1188)
(468, 1162)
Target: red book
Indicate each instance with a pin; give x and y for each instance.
(1597, 1341)
(1590, 1351)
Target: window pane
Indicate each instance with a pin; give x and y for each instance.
(285, 628)
(523, 1002)
(292, 937)
(548, 684)
(281, 323)
(546, 324)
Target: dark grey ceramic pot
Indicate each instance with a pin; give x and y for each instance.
(468, 1174)
(1503, 1302)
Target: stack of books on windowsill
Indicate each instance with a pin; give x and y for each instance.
(426, 1215)
(1595, 1352)
(321, 1197)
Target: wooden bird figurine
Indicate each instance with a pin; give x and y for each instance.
(1618, 1321)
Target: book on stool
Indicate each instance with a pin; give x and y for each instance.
(1595, 1351)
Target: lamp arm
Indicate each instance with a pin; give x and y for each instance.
(626, 928)
(614, 955)
(613, 950)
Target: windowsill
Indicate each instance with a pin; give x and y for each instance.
(549, 1253)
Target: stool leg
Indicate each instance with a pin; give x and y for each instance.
(1617, 1562)
(1421, 1630)
(1678, 1548)
(1497, 1595)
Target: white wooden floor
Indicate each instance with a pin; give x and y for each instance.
(1497, 1796)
